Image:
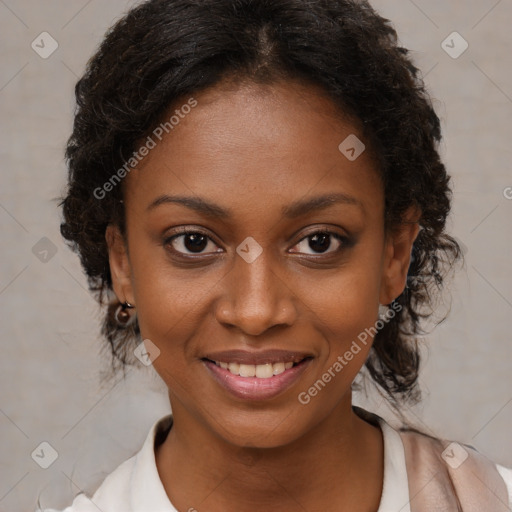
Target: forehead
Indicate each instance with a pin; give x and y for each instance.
(253, 145)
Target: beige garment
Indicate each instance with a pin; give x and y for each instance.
(445, 476)
(448, 477)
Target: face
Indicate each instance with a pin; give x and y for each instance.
(284, 260)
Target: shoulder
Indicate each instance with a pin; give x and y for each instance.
(439, 469)
(122, 488)
(110, 495)
(441, 474)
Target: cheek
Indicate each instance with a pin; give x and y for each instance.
(346, 300)
(345, 310)
(168, 301)
(170, 317)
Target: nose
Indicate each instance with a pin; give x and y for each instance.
(255, 298)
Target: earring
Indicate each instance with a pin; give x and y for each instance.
(383, 309)
(122, 316)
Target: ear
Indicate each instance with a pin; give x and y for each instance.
(120, 268)
(397, 256)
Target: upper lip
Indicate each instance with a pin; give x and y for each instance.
(255, 358)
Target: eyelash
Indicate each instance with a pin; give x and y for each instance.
(344, 241)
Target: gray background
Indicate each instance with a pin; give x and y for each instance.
(50, 366)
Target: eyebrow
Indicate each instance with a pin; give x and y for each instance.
(295, 209)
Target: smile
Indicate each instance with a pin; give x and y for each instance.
(265, 379)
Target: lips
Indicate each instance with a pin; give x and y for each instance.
(256, 375)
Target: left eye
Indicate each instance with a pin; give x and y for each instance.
(320, 242)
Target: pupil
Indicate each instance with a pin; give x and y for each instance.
(197, 243)
(320, 242)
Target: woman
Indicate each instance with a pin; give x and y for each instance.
(256, 195)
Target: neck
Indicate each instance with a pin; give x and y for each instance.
(339, 461)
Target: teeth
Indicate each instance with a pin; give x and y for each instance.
(261, 371)
(264, 371)
(234, 368)
(278, 368)
(247, 370)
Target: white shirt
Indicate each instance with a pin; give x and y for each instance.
(135, 485)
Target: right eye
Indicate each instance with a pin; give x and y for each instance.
(190, 242)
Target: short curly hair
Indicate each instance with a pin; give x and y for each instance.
(162, 51)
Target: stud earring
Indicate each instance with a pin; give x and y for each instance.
(122, 316)
(383, 309)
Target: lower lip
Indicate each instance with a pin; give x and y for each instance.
(253, 388)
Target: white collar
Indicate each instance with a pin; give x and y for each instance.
(146, 489)
(395, 490)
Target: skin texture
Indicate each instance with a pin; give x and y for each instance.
(253, 149)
